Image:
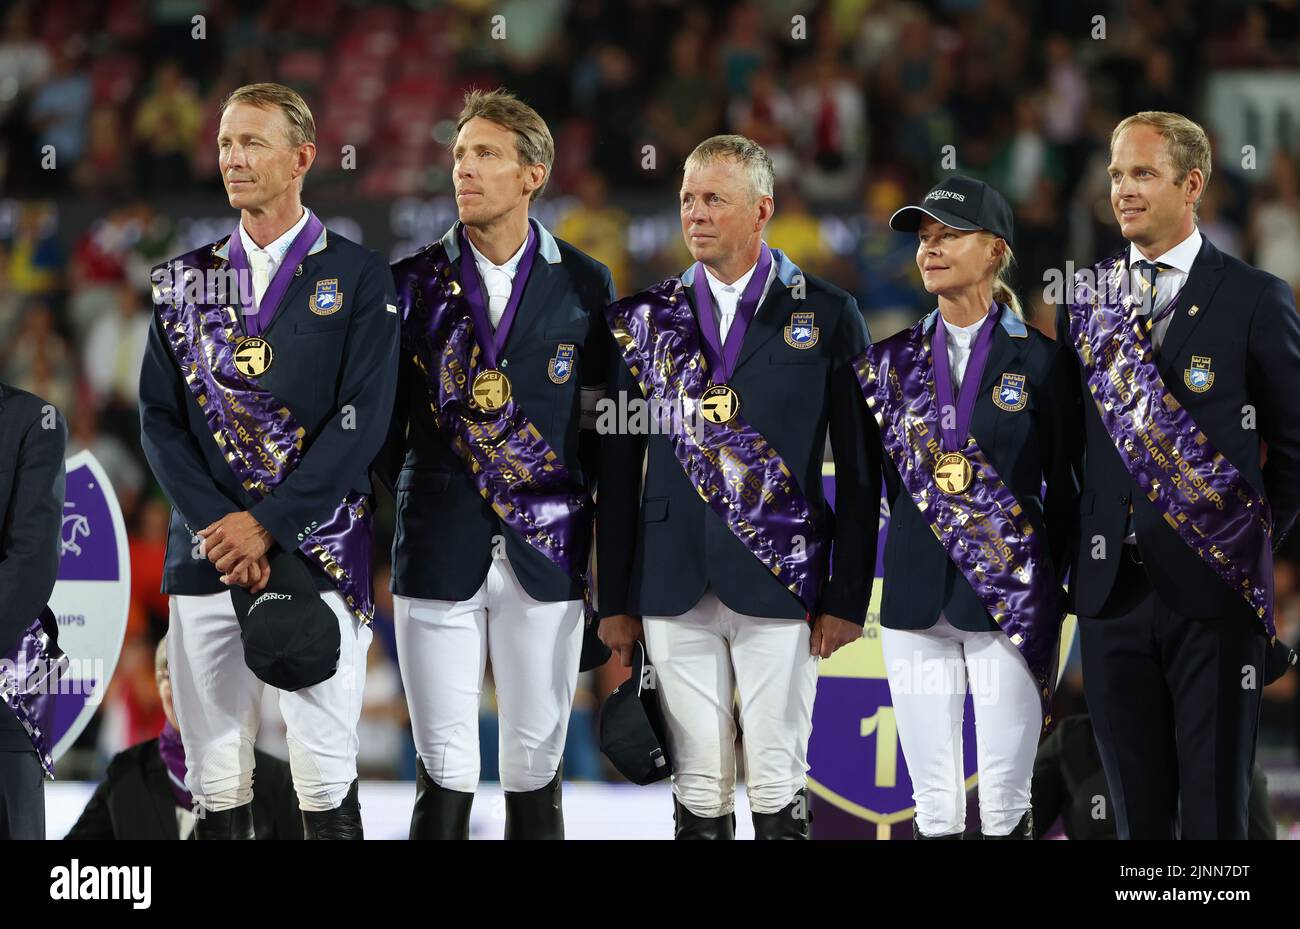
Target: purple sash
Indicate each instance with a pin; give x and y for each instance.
(723, 356)
(1197, 490)
(29, 681)
(511, 464)
(985, 530)
(731, 466)
(257, 434)
(256, 323)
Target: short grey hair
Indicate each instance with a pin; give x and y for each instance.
(160, 659)
(746, 152)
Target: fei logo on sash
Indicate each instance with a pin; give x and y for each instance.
(801, 333)
(560, 368)
(1011, 394)
(1199, 377)
(328, 299)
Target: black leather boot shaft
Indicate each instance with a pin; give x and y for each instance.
(537, 814)
(792, 822)
(236, 823)
(342, 822)
(439, 813)
(689, 826)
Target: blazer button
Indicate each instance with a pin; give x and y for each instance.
(1124, 499)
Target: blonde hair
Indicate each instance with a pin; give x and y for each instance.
(748, 153)
(1185, 140)
(533, 142)
(302, 125)
(1002, 289)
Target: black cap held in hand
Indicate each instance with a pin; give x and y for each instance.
(632, 726)
(962, 203)
(290, 635)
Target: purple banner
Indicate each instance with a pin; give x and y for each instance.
(510, 462)
(984, 529)
(730, 464)
(1191, 484)
(258, 435)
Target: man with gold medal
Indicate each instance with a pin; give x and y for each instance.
(265, 394)
(492, 458)
(720, 556)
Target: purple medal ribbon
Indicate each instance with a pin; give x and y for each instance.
(723, 357)
(493, 343)
(955, 438)
(173, 756)
(257, 323)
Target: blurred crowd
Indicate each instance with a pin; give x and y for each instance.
(114, 103)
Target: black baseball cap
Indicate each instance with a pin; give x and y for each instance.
(962, 203)
(290, 635)
(632, 726)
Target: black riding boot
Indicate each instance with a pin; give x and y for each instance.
(439, 813)
(1024, 829)
(235, 823)
(342, 822)
(689, 826)
(789, 823)
(537, 814)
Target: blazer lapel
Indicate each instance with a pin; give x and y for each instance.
(1193, 303)
(311, 270)
(541, 291)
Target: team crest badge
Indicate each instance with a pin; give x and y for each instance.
(328, 299)
(1199, 377)
(801, 333)
(560, 368)
(1010, 394)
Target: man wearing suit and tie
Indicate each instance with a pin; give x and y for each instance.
(1189, 366)
(720, 557)
(262, 407)
(33, 438)
(503, 349)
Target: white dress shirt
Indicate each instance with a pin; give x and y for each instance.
(1169, 281)
(264, 262)
(726, 297)
(959, 340)
(498, 279)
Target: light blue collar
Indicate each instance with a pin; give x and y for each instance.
(786, 270)
(224, 251)
(546, 246)
(1011, 323)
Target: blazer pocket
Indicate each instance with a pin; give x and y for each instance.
(423, 482)
(329, 325)
(654, 510)
(795, 356)
(565, 332)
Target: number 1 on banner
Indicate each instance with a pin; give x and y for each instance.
(882, 724)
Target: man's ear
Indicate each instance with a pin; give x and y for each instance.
(534, 177)
(766, 207)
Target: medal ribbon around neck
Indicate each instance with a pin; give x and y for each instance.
(255, 323)
(724, 356)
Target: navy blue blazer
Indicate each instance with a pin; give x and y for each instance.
(443, 545)
(1028, 447)
(660, 546)
(336, 374)
(33, 439)
(1246, 324)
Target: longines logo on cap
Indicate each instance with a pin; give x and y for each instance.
(269, 595)
(945, 195)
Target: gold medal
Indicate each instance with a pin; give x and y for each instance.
(953, 473)
(253, 356)
(491, 390)
(720, 404)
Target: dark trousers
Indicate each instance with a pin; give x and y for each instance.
(1175, 708)
(22, 796)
